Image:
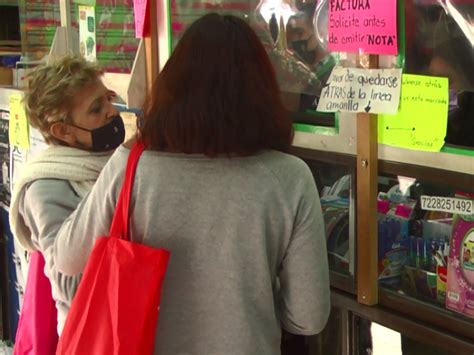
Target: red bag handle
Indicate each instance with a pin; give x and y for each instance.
(120, 222)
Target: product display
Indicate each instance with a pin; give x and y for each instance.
(393, 216)
(425, 251)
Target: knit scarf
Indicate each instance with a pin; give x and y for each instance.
(80, 167)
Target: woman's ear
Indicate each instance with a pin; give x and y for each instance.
(63, 132)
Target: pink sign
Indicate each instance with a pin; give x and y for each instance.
(366, 26)
(140, 7)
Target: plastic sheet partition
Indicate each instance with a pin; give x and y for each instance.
(302, 62)
(439, 41)
(287, 30)
(115, 34)
(298, 53)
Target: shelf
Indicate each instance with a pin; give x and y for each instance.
(324, 156)
(343, 282)
(427, 313)
(433, 175)
(400, 318)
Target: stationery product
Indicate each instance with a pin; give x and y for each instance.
(441, 280)
(395, 248)
(419, 283)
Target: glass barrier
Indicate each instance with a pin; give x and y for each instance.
(295, 38)
(426, 242)
(336, 190)
(439, 42)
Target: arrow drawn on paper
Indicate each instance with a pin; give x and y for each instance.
(367, 108)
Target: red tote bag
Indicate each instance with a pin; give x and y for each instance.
(115, 309)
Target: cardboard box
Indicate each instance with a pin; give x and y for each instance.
(6, 76)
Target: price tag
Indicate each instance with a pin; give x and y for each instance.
(447, 204)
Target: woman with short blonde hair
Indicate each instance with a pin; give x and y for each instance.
(52, 89)
(68, 103)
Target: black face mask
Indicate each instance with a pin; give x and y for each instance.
(107, 137)
(300, 47)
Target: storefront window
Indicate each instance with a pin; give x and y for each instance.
(294, 34)
(39, 20)
(439, 42)
(426, 242)
(111, 23)
(115, 42)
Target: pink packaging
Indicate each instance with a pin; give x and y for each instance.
(460, 286)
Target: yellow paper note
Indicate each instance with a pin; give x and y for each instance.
(18, 133)
(422, 118)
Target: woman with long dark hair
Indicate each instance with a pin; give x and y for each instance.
(241, 218)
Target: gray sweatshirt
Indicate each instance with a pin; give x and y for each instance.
(247, 243)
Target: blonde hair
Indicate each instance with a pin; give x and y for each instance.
(51, 91)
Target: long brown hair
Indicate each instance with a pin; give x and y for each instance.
(217, 94)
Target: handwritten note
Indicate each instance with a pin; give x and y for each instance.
(369, 26)
(361, 90)
(141, 25)
(423, 116)
(18, 127)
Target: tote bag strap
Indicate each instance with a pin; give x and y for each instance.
(120, 222)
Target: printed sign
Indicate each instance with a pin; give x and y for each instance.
(447, 204)
(18, 127)
(140, 10)
(369, 26)
(87, 39)
(422, 120)
(361, 90)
